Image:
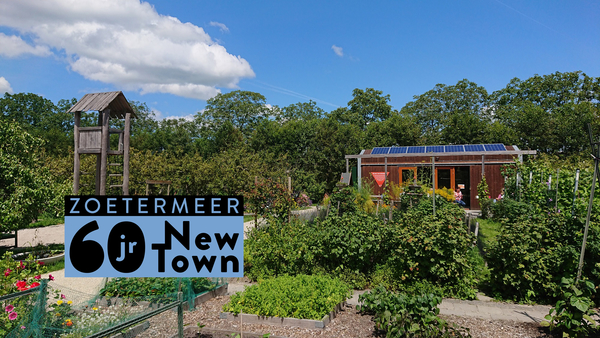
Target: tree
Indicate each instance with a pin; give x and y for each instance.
(243, 109)
(23, 184)
(301, 111)
(550, 113)
(41, 118)
(367, 106)
(398, 130)
(451, 114)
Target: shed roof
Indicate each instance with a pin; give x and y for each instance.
(115, 101)
(440, 150)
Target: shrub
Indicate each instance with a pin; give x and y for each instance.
(302, 297)
(510, 210)
(270, 199)
(434, 249)
(531, 255)
(572, 314)
(406, 315)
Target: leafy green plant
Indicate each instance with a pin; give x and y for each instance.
(154, 289)
(302, 297)
(484, 198)
(404, 315)
(270, 199)
(572, 314)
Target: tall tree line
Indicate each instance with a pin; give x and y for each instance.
(547, 113)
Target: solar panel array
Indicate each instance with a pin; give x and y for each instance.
(438, 149)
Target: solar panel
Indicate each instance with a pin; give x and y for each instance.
(494, 147)
(398, 150)
(434, 149)
(474, 147)
(416, 150)
(455, 148)
(380, 150)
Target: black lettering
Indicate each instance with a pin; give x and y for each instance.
(175, 264)
(226, 239)
(199, 263)
(203, 238)
(233, 260)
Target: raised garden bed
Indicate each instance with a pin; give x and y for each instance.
(278, 321)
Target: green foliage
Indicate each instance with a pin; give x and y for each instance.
(243, 109)
(23, 182)
(362, 250)
(302, 297)
(509, 209)
(484, 198)
(270, 199)
(19, 275)
(343, 200)
(433, 248)
(408, 315)
(531, 255)
(281, 248)
(572, 314)
(153, 289)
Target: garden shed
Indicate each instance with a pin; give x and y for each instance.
(454, 166)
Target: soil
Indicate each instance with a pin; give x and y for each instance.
(349, 323)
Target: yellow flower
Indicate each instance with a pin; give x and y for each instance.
(59, 302)
(58, 315)
(95, 308)
(69, 302)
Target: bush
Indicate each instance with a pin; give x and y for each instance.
(572, 314)
(408, 315)
(302, 297)
(434, 249)
(510, 210)
(362, 250)
(530, 256)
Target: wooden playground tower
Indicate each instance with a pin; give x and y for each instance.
(96, 139)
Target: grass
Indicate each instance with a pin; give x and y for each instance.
(488, 230)
(248, 218)
(56, 266)
(47, 221)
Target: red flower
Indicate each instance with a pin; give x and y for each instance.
(21, 284)
(38, 277)
(7, 272)
(40, 263)
(50, 277)
(34, 284)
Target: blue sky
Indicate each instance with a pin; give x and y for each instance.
(174, 55)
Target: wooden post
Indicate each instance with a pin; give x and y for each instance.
(391, 207)
(77, 163)
(126, 135)
(104, 151)
(99, 157)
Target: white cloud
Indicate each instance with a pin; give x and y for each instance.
(5, 87)
(125, 43)
(339, 51)
(13, 46)
(221, 26)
